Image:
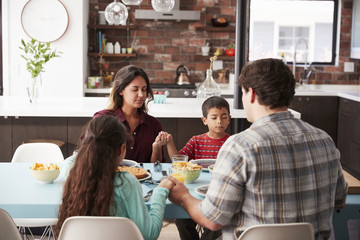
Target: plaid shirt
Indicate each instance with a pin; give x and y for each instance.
(280, 170)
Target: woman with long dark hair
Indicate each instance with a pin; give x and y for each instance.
(95, 188)
(128, 103)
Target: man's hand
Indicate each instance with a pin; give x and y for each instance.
(180, 195)
(178, 192)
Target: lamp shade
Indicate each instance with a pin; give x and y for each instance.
(116, 13)
(163, 5)
(132, 2)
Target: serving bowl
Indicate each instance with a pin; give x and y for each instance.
(220, 22)
(45, 176)
(45, 173)
(204, 162)
(191, 174)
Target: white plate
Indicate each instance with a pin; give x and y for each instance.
(204, 163)
(148, 175)
(128, 163)
(201, 190)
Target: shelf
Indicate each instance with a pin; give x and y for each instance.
(121, 55)
(97, 90)
(216, 29)
(98, 26)
(222, 57)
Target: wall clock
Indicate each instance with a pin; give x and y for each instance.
(45, 20)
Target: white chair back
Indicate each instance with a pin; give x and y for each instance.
(94, 228)
(8, 229)
(286, 231)
(38, 152)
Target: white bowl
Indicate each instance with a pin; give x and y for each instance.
(204, 162)
(45, 176)
(211, 168)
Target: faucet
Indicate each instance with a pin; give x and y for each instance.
(306, 76)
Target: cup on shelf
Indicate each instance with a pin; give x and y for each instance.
(205, 50)
(123, 50)
(101, 18)
(129, 50)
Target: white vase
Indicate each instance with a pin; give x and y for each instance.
(33, 85)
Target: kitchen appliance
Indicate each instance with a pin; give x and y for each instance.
(182, 75)
(175, 14)
(173, 90)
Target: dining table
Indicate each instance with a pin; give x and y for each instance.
(22, 196)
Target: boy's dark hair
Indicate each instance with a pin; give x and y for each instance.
(271, 80)
(215, 101)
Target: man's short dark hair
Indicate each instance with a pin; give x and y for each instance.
(271, 80)
(215, 101)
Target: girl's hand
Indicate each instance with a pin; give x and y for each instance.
(166, 183)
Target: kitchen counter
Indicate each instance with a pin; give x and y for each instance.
(87, 106)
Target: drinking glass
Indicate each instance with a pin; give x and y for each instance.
(178, 173)
(179, 158)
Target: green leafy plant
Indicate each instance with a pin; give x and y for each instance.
(231, 46)
(36, 55)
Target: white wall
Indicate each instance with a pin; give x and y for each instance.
(63, 76)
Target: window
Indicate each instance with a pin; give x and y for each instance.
(307, 26)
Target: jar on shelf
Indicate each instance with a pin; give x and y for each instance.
(208, 88)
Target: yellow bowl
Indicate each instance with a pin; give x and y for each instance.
(45, 176)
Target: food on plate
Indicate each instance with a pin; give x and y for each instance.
(139, 173)
(187, 165)
(44, 167)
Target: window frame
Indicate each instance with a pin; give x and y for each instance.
(335, 36)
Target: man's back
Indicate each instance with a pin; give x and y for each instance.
(287, 171)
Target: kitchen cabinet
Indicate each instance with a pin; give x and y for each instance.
(349, 136)
(5, 139)
(25, 128)
(75, 126)
(16, 130)
(319, 111)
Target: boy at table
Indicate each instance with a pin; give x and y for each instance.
(280, 170)
(216, 115)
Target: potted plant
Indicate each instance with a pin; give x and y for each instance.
(230, 49)
(36, 55)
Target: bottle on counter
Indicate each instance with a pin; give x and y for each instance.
(283, 58)
(209, 87)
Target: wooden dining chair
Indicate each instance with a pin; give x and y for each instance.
(94, 228)
(8, 229)
(41, 153)
(285, 231)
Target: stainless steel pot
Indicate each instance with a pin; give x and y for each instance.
(182, 75)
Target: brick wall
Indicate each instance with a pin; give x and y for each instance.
(164, 45)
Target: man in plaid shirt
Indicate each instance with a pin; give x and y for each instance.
(280, 170)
